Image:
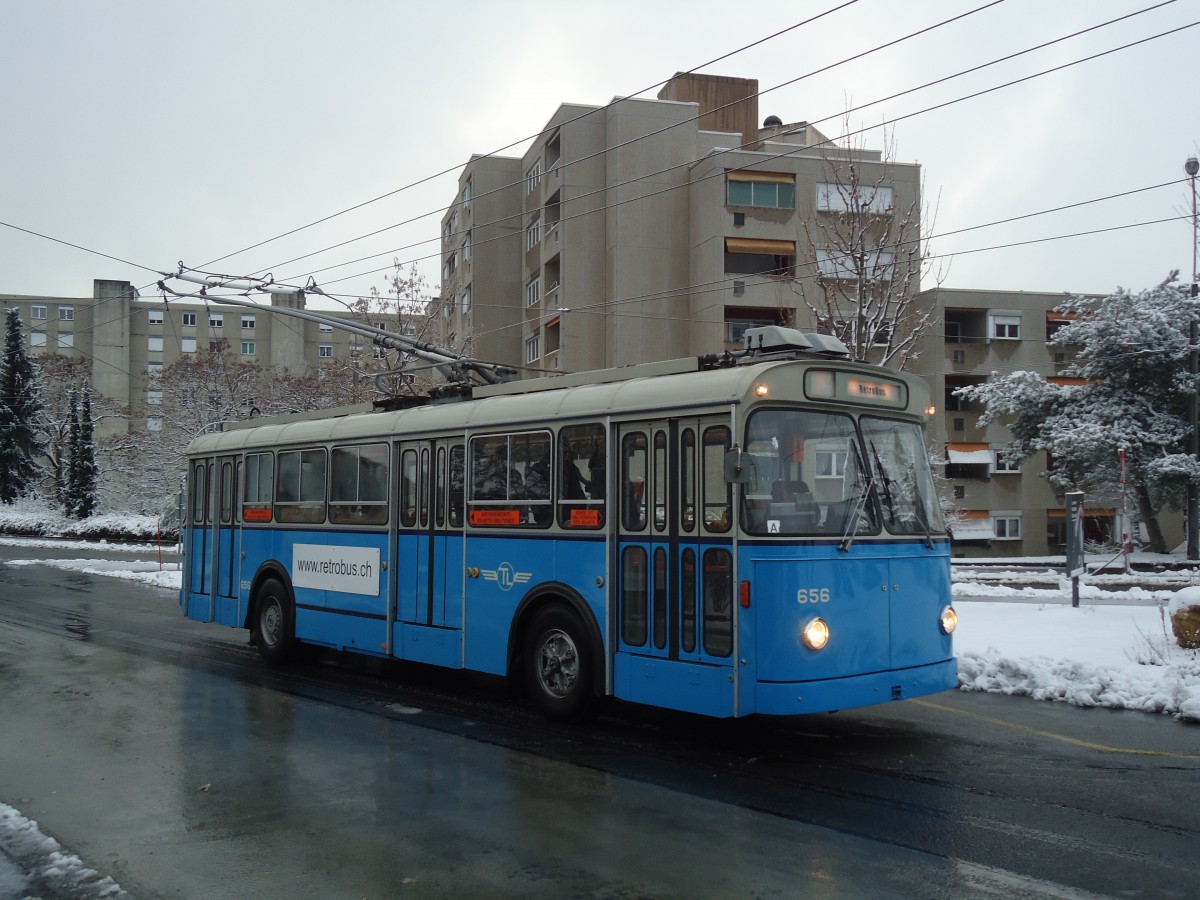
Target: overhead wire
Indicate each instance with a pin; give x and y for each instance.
(647, 136)
(536, 135)
(765, 159)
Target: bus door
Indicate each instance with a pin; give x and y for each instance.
(425, 629)
(675, 617)
(224, 541)
(199, 538)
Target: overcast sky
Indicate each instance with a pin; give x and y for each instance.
(156, 132)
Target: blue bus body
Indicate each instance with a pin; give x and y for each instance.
(669, 558)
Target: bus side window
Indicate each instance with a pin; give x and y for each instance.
(717, 491)
(300, 491)
(687, 478)
(458, 458)
(199, 493)
(358, 488)
(408, 488)
(581, 481)
(259, 486)
(633, 481)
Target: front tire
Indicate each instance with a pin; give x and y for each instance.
(558, 665)
(274, 623)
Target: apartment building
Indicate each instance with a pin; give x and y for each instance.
(645, 229)
(1001, 507)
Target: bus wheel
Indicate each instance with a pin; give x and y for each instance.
(273, 622)
(558, 665)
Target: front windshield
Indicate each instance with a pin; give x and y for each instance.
(899, 462)
(806, 475)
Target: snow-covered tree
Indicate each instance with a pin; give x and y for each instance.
(20, 406)
(866, 243)
(1133, 394)
(80, 497)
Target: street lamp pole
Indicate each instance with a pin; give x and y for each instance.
(1191, 167)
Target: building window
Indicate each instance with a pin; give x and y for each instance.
(66, 339)
(874, 266)
(154, 369)
(831, 463)
(533, 349)
(356, 349)
(533, 233)
(959, 424)
(154, 424)
(325, 351)
(1007, 525)
(247, 320)
(748, 256)
(466, 300)
(66, 313)
(533, 177)
(154, 398)
(960, 492)
(410, 328)
(37, 339)
(1005, 463)
(466, 248)
(467, 191)
(861, 198)
(533, 291)
(216, 346)
(154, 343)
(378, 352)
(216, 320)
(1006, 328)
(247, 348)
(767, 190)
(960, 356)
(38, 311)
(324, 327)
(189, 319)
(187, 344)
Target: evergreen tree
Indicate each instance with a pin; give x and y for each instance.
(68, 488)
(20, 407)
(84, 473)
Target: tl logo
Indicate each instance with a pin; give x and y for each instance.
(505, 577)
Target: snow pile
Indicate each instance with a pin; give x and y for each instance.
(164, 575)
(33, 517)
(47, 864)
(1113, 655)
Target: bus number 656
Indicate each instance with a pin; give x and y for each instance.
(812, 595)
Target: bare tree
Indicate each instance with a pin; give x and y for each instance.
(403, 307)
(868, 253)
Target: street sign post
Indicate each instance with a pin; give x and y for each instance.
(1075, 560)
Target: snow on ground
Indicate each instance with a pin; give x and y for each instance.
(1018, 633)
(48, 865)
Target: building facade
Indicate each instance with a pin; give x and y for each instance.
(127, 341)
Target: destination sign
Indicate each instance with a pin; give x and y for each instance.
(852, 387)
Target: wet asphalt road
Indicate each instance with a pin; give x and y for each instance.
(166, 755)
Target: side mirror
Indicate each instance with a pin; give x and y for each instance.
(735, 471)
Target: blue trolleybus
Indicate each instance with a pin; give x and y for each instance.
(744, 533)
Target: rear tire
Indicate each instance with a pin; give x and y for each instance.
(274, 623)
(558, 665)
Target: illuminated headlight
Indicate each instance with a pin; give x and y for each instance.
(816, 634)
(949, 620)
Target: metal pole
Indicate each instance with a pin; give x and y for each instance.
(1191, 167)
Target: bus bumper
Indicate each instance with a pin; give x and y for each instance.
(799, 697)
